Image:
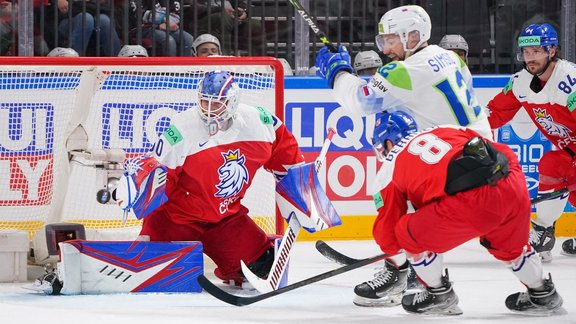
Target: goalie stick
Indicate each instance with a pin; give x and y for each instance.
(247, 300)
(283, 255)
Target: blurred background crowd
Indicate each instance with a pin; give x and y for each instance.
(268, 27)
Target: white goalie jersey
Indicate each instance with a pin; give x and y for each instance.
(433, 85)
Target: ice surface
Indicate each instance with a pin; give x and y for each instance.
(481, 282)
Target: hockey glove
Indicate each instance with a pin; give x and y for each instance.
(142, 187)
(330, 64)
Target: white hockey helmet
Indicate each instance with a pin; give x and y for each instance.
(133, 51)
(206, 38)
(63, 52)
(367, 60)
(454, 42)
(402, 21)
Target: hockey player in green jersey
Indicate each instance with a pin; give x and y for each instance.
(430, 83)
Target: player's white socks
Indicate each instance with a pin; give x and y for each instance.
(428, 266)
(528, 268)
(548, 211)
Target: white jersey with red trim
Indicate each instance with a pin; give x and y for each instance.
(552, 109)
(209, 175)
(433, 85)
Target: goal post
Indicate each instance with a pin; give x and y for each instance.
(66, 124)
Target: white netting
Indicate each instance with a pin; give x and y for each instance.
(108, 108)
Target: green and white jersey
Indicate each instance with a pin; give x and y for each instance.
(434, 86)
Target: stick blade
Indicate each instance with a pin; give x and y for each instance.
(260, 284)
(217, 292)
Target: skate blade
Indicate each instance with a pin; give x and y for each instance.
(542, 312)
(36, 286)
(388, 301)
(450, 311)
(567, 254)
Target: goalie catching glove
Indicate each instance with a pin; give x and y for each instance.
(142, 187)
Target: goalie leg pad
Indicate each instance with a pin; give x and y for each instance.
(99, 267)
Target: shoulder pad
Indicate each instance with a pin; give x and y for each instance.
(396, 74)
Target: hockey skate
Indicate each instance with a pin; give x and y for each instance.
(260, 267)
(433, 301)
(542, 240)
(385, 290)
(412, 282)
(49, 283)
(569, 247)
(543, 301)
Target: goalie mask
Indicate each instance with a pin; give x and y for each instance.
(218, 98)
(392, 127)
(402, 21)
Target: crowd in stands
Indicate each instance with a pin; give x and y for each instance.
(154, 28)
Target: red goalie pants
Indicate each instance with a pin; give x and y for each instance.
(227, 242)
(499, 215)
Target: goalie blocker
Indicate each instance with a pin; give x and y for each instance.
(142, 187)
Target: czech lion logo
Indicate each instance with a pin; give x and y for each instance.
(549, 125)
(232, 174)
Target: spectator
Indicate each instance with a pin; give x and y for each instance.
(367, 62)
(206, 45)
(457, 44)
(133, 51)
(161, 22)
(221, 22)
(6, 27)
(63, 52)
(9, 28)
(79, 26)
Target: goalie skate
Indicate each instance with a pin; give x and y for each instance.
(536, 302)
(433, 301)
(385, 290)
(569, 247)
(542, 240)
(49, 284)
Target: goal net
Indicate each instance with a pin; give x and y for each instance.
(66, 124)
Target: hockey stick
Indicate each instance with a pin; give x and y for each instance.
(247, 300)
(283, 255)
(550, 195)
(306, 16)
(333, 255)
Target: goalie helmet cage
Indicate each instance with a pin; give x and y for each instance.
(62, 121)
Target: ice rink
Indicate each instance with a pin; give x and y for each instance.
(481, 283)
